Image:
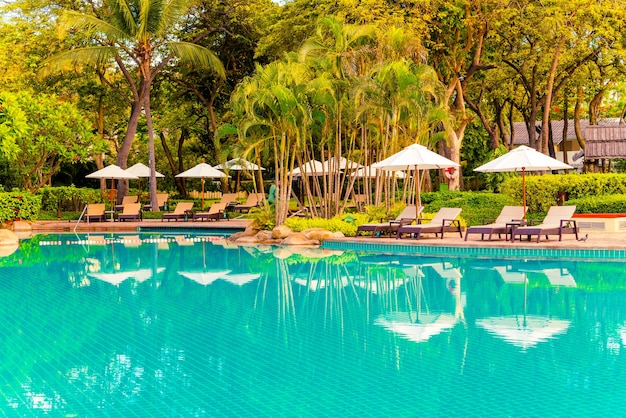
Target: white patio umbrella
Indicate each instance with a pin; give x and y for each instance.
(310, 168)
(523, 159)
(202, 171)
(416, 157)
(141, 170)
(112, 172)
(343, 164)
(371, 172)
(239, 164)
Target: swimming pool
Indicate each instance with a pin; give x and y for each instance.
(173, 325)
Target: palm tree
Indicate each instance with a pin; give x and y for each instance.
(336, 52)
(273, 110)
(139, 37)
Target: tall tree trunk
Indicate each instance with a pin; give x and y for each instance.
(124, 151)
(545, 133)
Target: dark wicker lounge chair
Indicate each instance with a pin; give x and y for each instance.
(509, 216)
(558, 221)
(443, 221)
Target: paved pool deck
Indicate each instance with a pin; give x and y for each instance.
(590, 240)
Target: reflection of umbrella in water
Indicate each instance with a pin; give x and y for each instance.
(118, 277)
(524, 331)
(522, 159)
(416, 327)
(204, 277)
(202, 171)
(241, 278)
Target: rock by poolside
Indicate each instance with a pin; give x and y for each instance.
(9, 242)
(283, 235)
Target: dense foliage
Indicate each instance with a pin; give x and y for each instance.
(303, 80)
(15, 206)
(542, 191)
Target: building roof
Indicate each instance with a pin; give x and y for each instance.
(605, 141)
(521, 134)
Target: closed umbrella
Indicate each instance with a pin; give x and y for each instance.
(416, 157)
(202, 171)
(523, 159)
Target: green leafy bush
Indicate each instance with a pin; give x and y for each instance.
(600, 204)
(19, 206)
(67, 198)
(380, 213)
(542, 191)
(263, 218)
(476, 205)
(347, 223)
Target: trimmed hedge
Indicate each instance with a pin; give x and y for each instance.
(476, 205)
(542, 190)
(600, 204)
(68, 198)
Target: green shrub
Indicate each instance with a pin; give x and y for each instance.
(600, 204)
(67, 198)
(263, 218)
(542, 190)
(380, 213)
(476, 205)
(19, 206)
(347, 223)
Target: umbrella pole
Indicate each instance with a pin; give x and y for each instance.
(202, 204)
(418, 196)
(524, 189)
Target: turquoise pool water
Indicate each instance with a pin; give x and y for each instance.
(175, 326)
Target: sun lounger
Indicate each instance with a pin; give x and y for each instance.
(443, 221)
(509, 216)
(127, 200)
(558, 221)
(96, 212)
(161, 201)
(254, 200)
(215, 213)
(130, 212)
(407, 216)
(183, 210)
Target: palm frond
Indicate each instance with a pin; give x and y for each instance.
(172, 11)
(77, 58)
(125, 15)
(91, 25)
(198, 56)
